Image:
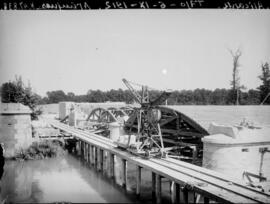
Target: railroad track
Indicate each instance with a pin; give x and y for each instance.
(216, 185)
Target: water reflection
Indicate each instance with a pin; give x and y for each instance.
(58, 179)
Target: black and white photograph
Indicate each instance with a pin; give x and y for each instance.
(142, 105)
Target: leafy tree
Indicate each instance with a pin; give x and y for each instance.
(96, 96)
(70, 96)
(253, 97)
(56, 96)
(44, 100)
(265, 87)
(219, 97)
(17, 92)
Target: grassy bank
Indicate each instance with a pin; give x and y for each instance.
(41, 150)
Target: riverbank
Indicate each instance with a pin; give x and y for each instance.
(40, 150)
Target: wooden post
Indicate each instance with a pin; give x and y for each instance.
(84, 145)
(101, 159)
(106, 169)
(177, 191)
(124, 169)
(112, 165)
(194, 154)
(173, 191)
(198, 198)
(87, 152)
(153, 186)
(93, 155)
(84, 151)
(90, 154)
(96, 157)
(185, 195)
(194, 196)
(138, 181)
(206, 200)
(81, 148)
(158, 189)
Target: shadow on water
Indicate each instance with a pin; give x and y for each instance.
(60, 179)
(109, 190)
(17, 183)
(146, 183)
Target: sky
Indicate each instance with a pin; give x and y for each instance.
(75, 51)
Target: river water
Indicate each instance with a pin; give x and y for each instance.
(61, 179)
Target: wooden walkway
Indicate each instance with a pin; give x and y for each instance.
(185, 179)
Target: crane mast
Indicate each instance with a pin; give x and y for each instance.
(149, 136)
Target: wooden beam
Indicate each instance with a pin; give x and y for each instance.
(173, 191)
(206, 200)
(98, 158)
(182, 133)
(177, 192)
(167, 121)
(194, 154)
(101, 159)
(138, 180)
(106, 162)
(86, 152)
(153, 186)
(91, 154)
(112, 165)
(198, 198)
(81, 149)
(185, 195)
(124, 171)
(158, 189)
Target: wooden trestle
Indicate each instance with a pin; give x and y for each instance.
(188, 183)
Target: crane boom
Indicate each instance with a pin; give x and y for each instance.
(137, 96)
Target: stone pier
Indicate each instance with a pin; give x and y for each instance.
(15, 128)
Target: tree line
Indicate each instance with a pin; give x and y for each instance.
(16, 91)
(183, 97)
